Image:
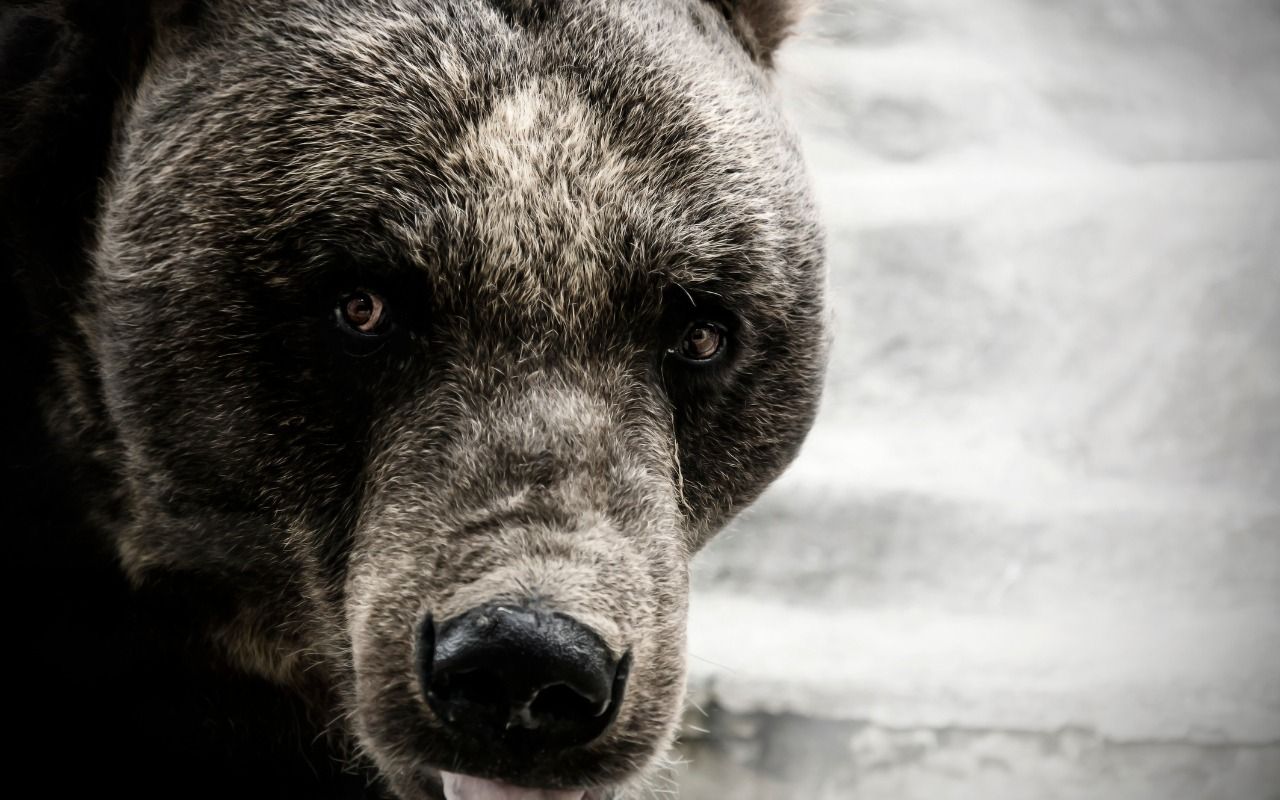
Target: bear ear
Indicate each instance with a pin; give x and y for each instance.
(65, 68)
(762, 25)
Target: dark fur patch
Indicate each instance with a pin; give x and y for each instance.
(527, 13)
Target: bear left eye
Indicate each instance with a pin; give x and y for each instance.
(363, 312)
(702, 342)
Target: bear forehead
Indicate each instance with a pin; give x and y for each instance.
(499, 160)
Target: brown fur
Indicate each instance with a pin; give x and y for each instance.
(541, 191)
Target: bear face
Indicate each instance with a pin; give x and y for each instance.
(404, 313)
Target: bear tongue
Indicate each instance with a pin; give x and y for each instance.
(465, 787)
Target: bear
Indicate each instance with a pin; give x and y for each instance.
(376, 369)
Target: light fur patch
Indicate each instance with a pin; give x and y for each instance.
(250, 643)
(551, 188)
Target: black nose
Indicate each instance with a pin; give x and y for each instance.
(521, 676)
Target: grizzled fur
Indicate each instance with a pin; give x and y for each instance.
(233, 516)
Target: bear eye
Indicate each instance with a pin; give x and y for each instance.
(702, 342)
(362, 312)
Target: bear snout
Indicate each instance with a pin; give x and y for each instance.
(520, 678)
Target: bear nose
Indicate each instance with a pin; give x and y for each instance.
(520, 676)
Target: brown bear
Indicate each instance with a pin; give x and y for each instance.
(379, 365)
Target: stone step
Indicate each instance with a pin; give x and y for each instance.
(1137, 674)
(1121, 321)
(902, 533)
(784, 757)
(1093, 699)
(1138, 81)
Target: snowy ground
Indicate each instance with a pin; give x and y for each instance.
(1032, 549)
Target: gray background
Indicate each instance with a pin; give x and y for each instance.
(1032, 547)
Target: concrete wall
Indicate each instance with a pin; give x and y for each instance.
(1032, 549)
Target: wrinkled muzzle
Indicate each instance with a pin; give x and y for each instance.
(517, 596)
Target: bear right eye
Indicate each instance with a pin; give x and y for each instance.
(363, 313)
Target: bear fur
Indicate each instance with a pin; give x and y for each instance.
(229, 515)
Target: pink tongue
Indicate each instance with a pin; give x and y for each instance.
(465, 787)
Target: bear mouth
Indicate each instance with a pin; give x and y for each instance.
(467, 787)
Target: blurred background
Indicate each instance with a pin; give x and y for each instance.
(1032, 547)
